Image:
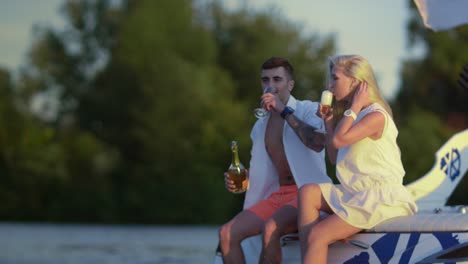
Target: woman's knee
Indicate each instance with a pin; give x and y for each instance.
(317, 236)
(309, 192)
(313, 238)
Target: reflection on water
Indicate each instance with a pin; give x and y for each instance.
(96, 244)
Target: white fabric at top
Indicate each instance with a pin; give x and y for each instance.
(307, 166)
(443, 14)
(371, 176)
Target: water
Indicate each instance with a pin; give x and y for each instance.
(99, 244)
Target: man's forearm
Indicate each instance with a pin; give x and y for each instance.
(308, 134)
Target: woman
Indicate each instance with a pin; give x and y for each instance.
(362, 144)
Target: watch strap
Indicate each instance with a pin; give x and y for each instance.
(351, 114)
(286, 111)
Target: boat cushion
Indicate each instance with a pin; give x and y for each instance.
(424, 222)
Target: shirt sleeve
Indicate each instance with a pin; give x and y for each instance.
(310, 116)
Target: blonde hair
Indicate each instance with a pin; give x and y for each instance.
(355, 66)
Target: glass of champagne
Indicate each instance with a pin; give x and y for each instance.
(326, 101)
(261, 112)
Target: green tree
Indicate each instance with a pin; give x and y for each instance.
(174, 108)
(418, 157)
(149, 96)
(430, 106)
(70, 167)
(430, 82)
(247, 37)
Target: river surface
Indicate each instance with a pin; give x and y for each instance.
(103, 244)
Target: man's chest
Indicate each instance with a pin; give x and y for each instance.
(274, 134)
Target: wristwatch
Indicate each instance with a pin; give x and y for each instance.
(350, 113)
(286, 111)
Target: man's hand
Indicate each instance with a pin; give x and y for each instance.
(271, 101)
(229, 184)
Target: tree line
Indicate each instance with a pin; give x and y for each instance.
(126, 115)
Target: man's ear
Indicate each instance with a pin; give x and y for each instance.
(290, 85)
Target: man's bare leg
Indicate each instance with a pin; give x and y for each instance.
(284, 221)
(231, 234)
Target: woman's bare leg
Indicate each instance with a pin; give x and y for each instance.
(322, 234)
(310, 203)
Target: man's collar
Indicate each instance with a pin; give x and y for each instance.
(292, 102)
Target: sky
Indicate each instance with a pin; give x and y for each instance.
(373, 29)
(16, 27)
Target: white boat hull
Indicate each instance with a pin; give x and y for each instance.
(399, 248)
(436, 234)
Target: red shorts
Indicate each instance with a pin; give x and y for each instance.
(286, 195)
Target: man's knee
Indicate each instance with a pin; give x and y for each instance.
(224, 232)
(270, 227)
(227, 233)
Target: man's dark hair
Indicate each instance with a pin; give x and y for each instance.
(275, 62)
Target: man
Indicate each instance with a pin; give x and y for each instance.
(285, 155)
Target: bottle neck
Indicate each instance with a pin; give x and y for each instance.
(235, 156)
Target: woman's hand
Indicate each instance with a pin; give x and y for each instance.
(325, 112)
(361, 97)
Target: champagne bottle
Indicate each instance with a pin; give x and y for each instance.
(236, 171)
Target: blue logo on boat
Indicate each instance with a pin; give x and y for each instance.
(385, 247)
(451, 163)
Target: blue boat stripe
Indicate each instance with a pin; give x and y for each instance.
(412, 242)
(384, 248)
